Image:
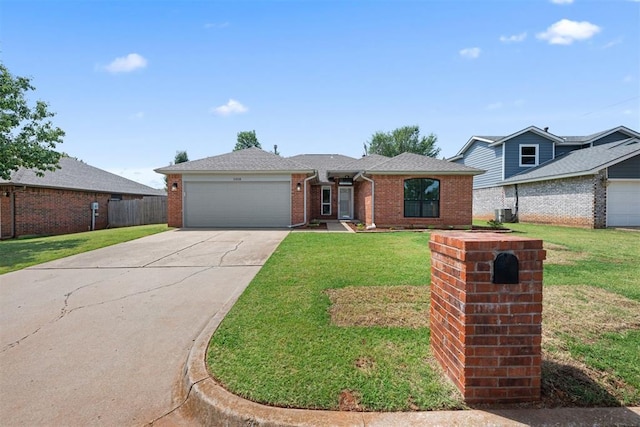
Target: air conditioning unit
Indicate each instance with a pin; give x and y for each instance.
(503, 215)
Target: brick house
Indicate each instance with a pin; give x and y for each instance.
(589, 181)
(253, 188)
(60, 202)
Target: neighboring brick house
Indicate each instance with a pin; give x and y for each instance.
(588, 181)
(60, 201)
(253, 188)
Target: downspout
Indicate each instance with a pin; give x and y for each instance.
(373, 199)
(307, 179)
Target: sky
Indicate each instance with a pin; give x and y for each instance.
(132, 82)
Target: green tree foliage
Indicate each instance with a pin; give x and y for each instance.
(181, 157)
(406, 139)
(27, 137)
(247, 139)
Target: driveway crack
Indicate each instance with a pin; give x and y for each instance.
(229, 251)
(65, 311)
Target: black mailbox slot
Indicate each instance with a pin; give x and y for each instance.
(505, 269)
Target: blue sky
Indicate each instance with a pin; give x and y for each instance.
(133, 81)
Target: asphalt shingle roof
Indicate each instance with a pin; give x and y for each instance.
(580, 162)
(76, 175)
(247, 160)
(322, 163)
(410, 162)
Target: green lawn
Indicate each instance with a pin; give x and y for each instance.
(278, 345)
(21, 253)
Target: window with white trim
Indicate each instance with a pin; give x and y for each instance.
(528, 155)
(326, 200)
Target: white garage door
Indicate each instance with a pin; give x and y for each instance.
(623, 203)
(240, 203)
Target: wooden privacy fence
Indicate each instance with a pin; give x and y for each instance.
(148, 210)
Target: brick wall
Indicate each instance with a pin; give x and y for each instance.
(579, 201)
(568, 201)
(486, 336)
(362, 202)
(174, 201)
(600, 200)
(456, 193)
(6, 215)
(45, 211)
(316, 202)
(487, 200)
(297, 199)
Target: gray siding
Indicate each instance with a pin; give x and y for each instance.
(480, 156)
(564, 149)
(630, 168)
(616, 136)
(512, 152)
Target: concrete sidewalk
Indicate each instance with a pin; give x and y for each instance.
(206, 403)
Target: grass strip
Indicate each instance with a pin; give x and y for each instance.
(279, 346)
(22, 253)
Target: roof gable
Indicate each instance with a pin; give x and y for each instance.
(533, 129)
(76, 175)
(247, 160)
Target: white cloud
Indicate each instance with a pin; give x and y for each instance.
(628, 112)
(565, 32)
(126, 64)
(494, 106)
(516, 38)
(231, 107)
(612, 43)
(561, 1)
(628, 78)
(470, 52)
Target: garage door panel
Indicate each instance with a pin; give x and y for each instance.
(623, 203)
(237, 204)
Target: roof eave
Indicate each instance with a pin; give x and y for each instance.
(89, 190)
(553, 177)
(233, 171)
(424, 172)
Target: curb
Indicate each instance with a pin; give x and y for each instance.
(211, 405)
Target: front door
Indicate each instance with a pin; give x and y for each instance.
(345, 202)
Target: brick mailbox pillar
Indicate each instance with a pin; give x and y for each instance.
(486, 314)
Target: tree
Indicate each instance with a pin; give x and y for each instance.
(180, 157)
(247, 139)
(27, 137)
(406, 139)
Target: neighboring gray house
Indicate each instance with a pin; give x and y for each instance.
(588, 181)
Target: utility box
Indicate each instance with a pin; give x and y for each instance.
(94, 206)
(486, 314)
(503, 215)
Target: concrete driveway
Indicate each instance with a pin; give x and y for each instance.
(101, 338)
